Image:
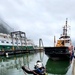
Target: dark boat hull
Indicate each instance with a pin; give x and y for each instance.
(57, 52)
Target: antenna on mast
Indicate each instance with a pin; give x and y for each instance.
(66, 26)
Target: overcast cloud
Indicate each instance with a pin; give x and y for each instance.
(39, 18)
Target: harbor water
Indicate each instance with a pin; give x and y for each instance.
(11, 65)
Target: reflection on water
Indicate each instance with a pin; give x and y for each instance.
(12, 64)
(57, 67)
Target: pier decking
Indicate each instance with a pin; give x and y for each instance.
(12, 52)
(73, 70)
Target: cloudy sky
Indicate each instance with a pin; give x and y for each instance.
(39, 18)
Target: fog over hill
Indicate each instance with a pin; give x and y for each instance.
(4, 27)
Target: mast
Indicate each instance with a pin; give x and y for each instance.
(65, 29)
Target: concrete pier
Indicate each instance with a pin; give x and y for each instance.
(13, 52)
(73, 70)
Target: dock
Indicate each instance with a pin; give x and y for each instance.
(14, 52)
(73, 70)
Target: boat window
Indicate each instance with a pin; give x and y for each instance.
(4, 36)
(2, 41)
(7, 42)
(67, 41)
(22, 43)
(62, 42)
(11, 42)
(15, 42)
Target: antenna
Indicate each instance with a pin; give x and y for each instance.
(66, 21)
(66, 26)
